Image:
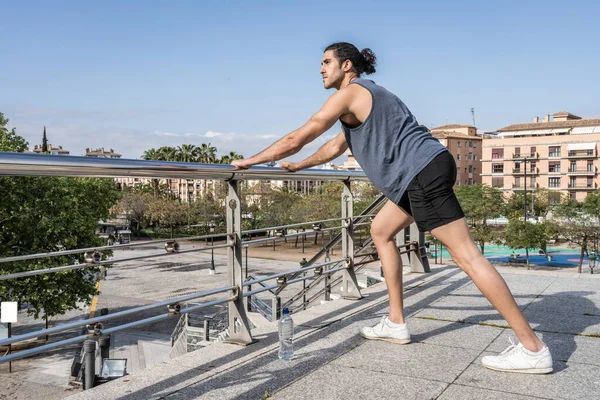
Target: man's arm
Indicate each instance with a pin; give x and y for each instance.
(329, 151)
(336, 106)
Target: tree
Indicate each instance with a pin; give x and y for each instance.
(135, 206)
(207, 153)
(169, 213)
(228, 158)
(9, 140)
(44, 142)
(525, 234)
(40, 215)
(480, 203)
(187, 153)
(577, 225)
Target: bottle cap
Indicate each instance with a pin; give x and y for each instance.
(286, 311)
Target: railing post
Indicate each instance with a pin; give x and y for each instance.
(104, 342)
(89, 346)
(206, 332)
(275, 308)
(239, 327)
(418, 263)
(327, 279)
(350, 289)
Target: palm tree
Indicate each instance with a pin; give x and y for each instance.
(228, 158)
(207, 153)
(168, 153)
(153, 154)
(187, 153)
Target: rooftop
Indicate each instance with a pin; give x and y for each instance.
(451, 126)
(451, 134)
(452, 327)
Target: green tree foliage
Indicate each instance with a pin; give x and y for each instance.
(480, 203)
(39, 215)
(9, 140)
(525, 234)
(579, 224)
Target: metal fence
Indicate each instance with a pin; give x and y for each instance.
(241, 291)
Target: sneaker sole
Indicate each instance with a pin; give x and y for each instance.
(522, 371)
(391, 340)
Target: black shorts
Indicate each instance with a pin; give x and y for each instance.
(429, 198)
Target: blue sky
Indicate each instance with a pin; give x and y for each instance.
(132, 75)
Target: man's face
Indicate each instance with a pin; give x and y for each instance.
(331, 70)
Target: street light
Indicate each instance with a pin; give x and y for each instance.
(525, 205)
(211, 229)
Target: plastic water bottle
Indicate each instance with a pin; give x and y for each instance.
(286, 336)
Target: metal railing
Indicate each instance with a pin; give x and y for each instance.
(239, 288)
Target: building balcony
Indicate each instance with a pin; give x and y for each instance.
(582, 171)
(582, 154)
(582, 186)
(554, 155)
(554, 172)
(521, 171)
(529, 156)
(530, 186)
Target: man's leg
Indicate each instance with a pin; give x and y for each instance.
(388, 222)
(457, 239)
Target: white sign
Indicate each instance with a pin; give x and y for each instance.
(8, 311)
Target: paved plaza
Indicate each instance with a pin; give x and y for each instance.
(452, 327)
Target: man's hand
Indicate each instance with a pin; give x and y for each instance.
(241, 164)
(290, 166)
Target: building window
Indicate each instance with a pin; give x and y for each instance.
(457, 170)
(470, 156)
(470, 143)
(458, 157)
(573, 167)
(532, 151)
(590, 181)
(474, 145)
(475, 157)
(554, 151)
(498, 181)
(497, 168)
(572, 181)
(517, 152)
(573, 196)
(590, 166)
(554, 182)
(518, 166)
(518, 182)
(470, 169)
(554, 166)
(532, 167)
(497, 154)
(458, 143)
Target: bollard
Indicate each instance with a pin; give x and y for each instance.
(104, 342)
(90, 363)
(206, 330)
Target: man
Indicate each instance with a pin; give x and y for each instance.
(416, 173)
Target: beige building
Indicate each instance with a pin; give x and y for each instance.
(464, 144)
(51, 150)
(101, 153)
(558, 153)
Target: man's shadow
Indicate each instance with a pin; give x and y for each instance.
(557, 319)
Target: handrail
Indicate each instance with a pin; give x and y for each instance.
(17, 164)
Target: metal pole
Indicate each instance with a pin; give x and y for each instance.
(525, 208)
(350, 288)
(89, 346)
(212, 256)
(9, 346)
(239, 326)
(104, 342)
(246, 275)
(206, 330)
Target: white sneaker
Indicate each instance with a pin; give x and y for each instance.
(383, 331)
(518, 359)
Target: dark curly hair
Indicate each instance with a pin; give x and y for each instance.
(363, 61)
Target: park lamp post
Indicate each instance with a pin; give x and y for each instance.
(211, 229)
(525, 205)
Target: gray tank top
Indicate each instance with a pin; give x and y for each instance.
(390, 145)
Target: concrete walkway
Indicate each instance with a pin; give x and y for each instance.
(452, 327)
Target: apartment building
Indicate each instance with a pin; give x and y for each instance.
(559, 153)
(51, 150)
(101, 153)
(466, 147)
